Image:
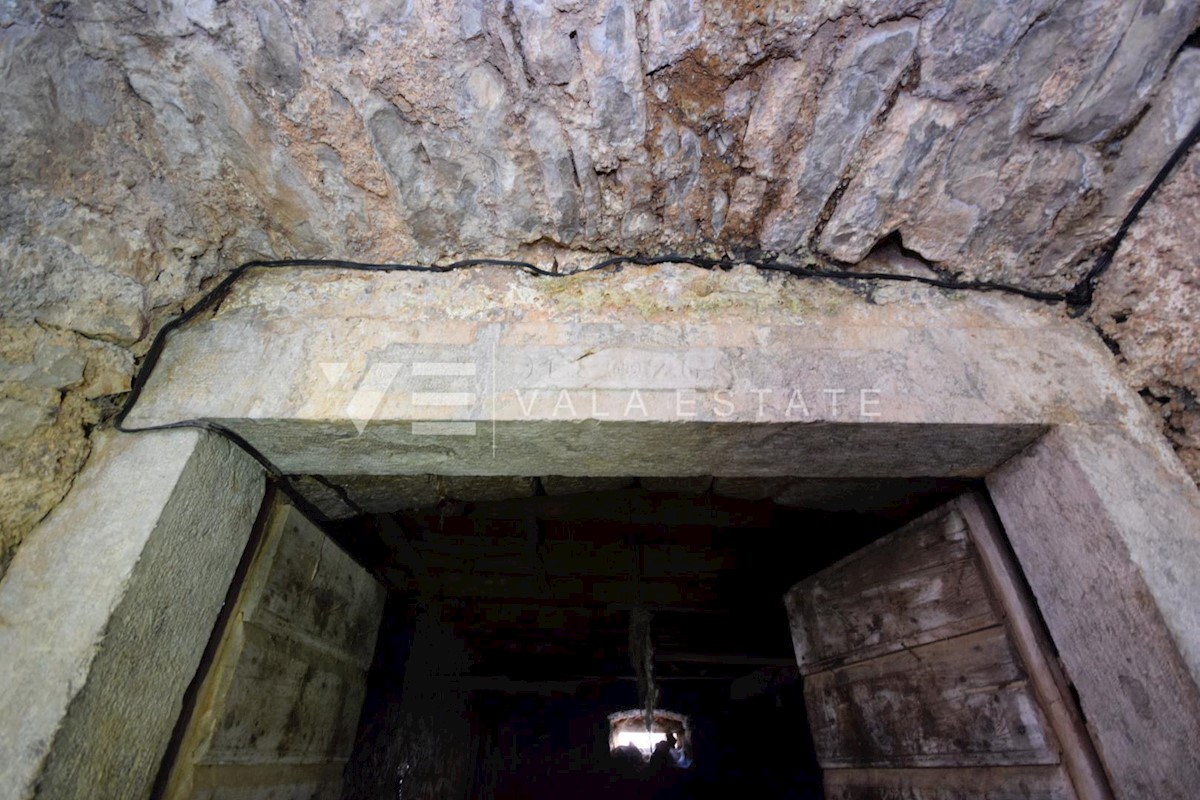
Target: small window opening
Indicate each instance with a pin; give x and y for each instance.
(668, 736)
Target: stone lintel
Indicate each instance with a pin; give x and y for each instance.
(655, 449)
(657, 372)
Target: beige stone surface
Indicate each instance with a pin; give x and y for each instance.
(1148, 303)
(1108, 536)
(898, 495)
(104, 613)
(894, 497)
(327, 500)
(685, 486)
(383, 493)
(483, 488)
(593, 375)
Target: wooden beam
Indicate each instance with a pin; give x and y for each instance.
(629, 506)
(507, 685)
(729, 659)
(406, 589)
(527, 589)
(580, 557)
(763, 681)
(1033, 644)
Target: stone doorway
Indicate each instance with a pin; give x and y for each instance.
(506, 646)
(340, 380)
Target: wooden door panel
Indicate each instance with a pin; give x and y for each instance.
(915, 586)
(286, 703)
(927, 675)
(957, 702)
(277, 709)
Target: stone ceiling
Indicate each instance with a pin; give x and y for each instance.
(149, 148)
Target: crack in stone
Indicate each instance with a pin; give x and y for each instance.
(1081, 295)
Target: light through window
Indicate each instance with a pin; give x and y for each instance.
(642, 740)
(668, 734)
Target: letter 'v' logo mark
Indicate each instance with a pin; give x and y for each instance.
(368, 394)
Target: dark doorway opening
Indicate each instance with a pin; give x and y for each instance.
(507, 640)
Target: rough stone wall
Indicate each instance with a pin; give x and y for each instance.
(150, 147)
(1148, 305)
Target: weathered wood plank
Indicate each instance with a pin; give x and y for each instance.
(285, 703)
(1033, 645)
(958, 702)
(983, 783)
(316, 593)
(917, 585)
(575, 558)
(276, 713)
(629, 507)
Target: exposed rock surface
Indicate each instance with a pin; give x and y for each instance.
(1148, 304)
(52, 386)
(148, 148)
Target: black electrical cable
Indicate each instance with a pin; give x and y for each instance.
(219, 292)
(1082, 293)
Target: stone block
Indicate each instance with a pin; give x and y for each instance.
(565, 377)
(565, 484)
(1107, 531)
(108, 606)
